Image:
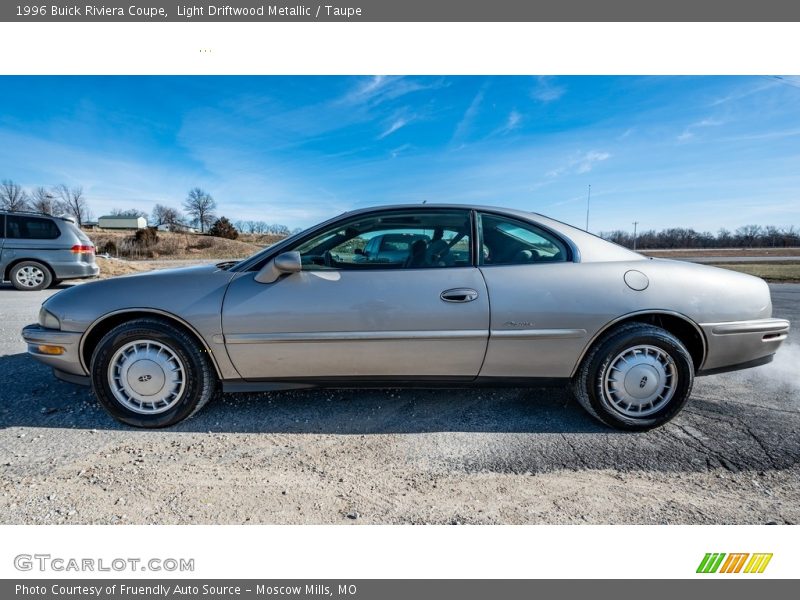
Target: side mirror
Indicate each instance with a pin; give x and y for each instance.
(288, 262)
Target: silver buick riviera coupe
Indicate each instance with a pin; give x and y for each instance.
(413, 296)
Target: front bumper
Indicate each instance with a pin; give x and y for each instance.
(736, 345)
(68, 362)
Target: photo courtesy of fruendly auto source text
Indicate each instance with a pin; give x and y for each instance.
(393, 300)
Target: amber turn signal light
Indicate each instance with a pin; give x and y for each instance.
(45, 349)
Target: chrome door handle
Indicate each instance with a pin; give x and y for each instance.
(459, 295)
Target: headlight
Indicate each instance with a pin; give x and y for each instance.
(48, 319)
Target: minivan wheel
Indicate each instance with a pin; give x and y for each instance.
(636, 377)
(149, 373)
(30, 276)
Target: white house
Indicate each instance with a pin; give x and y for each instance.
(177, 228)
(121, 222)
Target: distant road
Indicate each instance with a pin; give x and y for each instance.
(728, 255)
(734, 259)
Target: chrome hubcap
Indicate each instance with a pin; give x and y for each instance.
(30, 276)
(640, 381)
(146, 377)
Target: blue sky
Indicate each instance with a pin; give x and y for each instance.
(702, 152)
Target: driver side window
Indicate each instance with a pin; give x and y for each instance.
(392, 240)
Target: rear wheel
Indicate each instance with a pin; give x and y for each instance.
(149, 373)
(636, 377)
(30, 276)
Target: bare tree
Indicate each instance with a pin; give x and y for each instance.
(279, 229)
(12, 196)
(42, 201)
(165, 215)
(748, 236)
(200, 206)
(73, 203)
(128, 212)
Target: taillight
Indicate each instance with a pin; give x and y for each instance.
(80, 249)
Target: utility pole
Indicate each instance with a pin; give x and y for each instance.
(588, 201)
(635, 223)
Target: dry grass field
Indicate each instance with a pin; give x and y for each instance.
(777, 272)
(123, 244)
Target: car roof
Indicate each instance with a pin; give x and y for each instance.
(30, 213)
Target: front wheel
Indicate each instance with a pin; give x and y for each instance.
(636, 377)
(148, 373)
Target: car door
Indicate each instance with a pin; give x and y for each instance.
(541, 304)
(347, 316)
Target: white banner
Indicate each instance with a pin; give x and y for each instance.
(373, 552)
(400, 48)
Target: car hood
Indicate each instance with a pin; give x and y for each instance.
(193, 294)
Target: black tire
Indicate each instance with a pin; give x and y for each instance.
(590, 382)
(199, 380)
(30, 276)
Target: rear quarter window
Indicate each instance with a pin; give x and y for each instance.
(20, 227)
(507, 241)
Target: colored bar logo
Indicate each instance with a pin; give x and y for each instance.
(719, 562)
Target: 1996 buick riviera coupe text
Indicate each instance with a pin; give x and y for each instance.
(413, 296)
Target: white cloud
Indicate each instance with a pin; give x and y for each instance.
(590, 158)
(466, 121)
(689, 132)
(398, 123)
(367, 89)
(512, 122)
(380, 88)
(582, 162)
(395, 152)
(547, 91)
(745, 92)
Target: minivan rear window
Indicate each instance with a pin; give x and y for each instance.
(30, 228)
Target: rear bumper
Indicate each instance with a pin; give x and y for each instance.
(737, 345)
(75, 270)
(68, 362)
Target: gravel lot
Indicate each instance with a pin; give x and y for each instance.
(389, 456)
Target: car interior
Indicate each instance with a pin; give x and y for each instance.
(401, 241)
